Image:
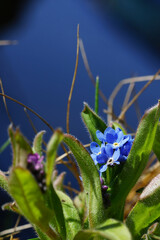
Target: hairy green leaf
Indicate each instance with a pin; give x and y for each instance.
(20, 147)
(93, 122)
(156, 144)
(135, 163)
(57, 221)
(51, 154)
(110, 230)
(91, 181)
(3, 181)
(147, 209)
(25, 190)
(37, 143)
(72, 220)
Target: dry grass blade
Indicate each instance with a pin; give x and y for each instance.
(73, 82)
(69, 152)
(12, 230)
(16, 225)
(146, 177)
(23, 105)
(5, 104)
(119, 86)
(30, 121)
(128, 94)
(86, 64)
(136, 105)
(136, 97)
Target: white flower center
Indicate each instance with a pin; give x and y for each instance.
(110, 161)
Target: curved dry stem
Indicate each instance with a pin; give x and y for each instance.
(31, 110)
(5, 104)
(121, 116)
(14, 231)
(87, 67)
(120, 85)
(73, 82)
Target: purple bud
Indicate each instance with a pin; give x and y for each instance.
(104, 187)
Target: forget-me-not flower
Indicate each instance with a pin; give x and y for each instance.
(114, 149)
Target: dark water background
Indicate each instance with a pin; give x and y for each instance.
(38, 70)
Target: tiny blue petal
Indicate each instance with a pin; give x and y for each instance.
(95, 148)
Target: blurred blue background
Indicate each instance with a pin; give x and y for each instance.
(121, 39)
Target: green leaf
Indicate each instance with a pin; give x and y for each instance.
(156, 144)
(93, 122)
(37, 143)
(57, 221)
(40, 234)
(51, 154)
(28, 196)
(135, 163)
(147, 209)
(20, 147)
(110, 230)
(4, 146)
(91, 180)
(72, 220)
(3, 181)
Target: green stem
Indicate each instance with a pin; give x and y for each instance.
(4, 146)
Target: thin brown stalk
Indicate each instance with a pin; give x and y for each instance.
(136, 105)
(73, 82)
(71, 189)
(128, 94)
(33, 127)
(87, 67)
(30, 121)
(23, 105)
(136, 96)
(12, 230)
(119, 86)
(5, 104)
(16, 225)
(69, 152)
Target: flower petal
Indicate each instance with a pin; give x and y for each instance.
(116, 154)
(120, 134)
(94, 157)
(100, 136)
(95, 148)
(102, 158)
(109, 150)
(111, 135)
(103, 168)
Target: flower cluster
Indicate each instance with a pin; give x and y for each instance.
(114, 148)
(35, 166)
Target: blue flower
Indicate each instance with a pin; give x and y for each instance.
(96, 151)
(115, 138)
(125, 149)
(108, 157)
(114, 149)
